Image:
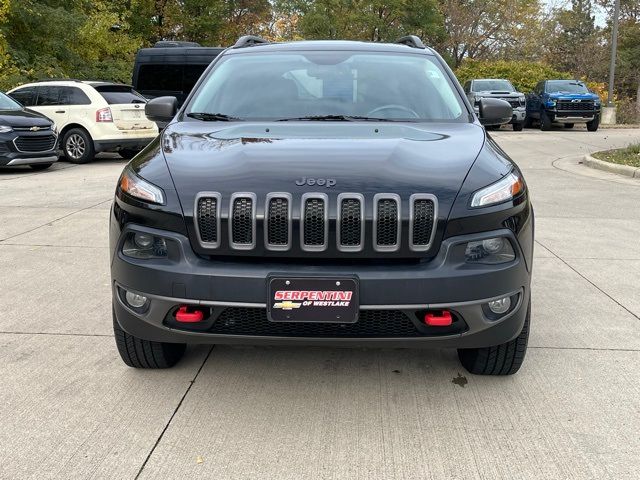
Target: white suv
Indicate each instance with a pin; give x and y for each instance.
(91, 116)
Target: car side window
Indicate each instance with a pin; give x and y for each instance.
(24, 95)
(48, 96)
(73, 96)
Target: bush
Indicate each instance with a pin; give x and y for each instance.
(627, 111)
(523, 75)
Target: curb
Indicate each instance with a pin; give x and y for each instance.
(633, 172)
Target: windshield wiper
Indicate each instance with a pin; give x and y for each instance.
(212, 117)
(336, 118)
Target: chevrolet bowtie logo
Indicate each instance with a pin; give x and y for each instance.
(286, 305)
(34, 129)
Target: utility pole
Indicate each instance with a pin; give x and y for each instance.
(614, 45)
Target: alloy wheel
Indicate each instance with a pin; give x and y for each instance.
(75, 146)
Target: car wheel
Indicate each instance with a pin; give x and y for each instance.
(40, 166)
(128, 153)
(77, 146)
(517, 127)
(139, 353)
(593, 125)
(568, 125)
(504, 359)
(545, 122)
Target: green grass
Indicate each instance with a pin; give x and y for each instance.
(623, 156)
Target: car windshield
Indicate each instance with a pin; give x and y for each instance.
(339, 85)
(492, 86)
(566, 86)
(7, 103)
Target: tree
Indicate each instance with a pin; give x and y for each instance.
(577, 45)
(485, 29)
(372, 20)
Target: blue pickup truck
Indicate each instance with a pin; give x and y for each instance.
(563, 101)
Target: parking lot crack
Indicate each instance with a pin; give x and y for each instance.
(175, 411)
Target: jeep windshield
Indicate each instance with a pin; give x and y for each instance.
(493, 86)
(334, 86)
(566, 86)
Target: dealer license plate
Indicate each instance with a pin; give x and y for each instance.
(312, 299)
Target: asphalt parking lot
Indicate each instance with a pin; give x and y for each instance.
(72, 409)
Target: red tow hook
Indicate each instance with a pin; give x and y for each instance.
(438, 319)
(184, 315)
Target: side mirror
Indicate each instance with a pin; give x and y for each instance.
(161, 109)
(494, 111)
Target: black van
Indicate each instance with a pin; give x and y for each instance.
(171, 68)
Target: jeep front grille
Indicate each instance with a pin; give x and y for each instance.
(314, 222)
(208, 215)
(386, 222)
(320, 224)
(242, 225)
(278, 221)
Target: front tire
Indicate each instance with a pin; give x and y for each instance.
(568, 125)
(545, 122)
(139, 353)
(504, 359)
(517, 127)
(593, 125)
(77, 146)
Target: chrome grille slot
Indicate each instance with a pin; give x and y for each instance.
(242, 221)
(314, 225)
(207, 218)
(422, 217)
(386, 222)
(278, 221)
(350, 222)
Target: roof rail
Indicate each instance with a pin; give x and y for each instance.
(412, 41)
(174, 44)
(249, 41)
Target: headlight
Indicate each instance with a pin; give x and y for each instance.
(551, 103)
(490, 251)
(54, 128)
(144, 246)
(135, 186)
(501, 191)
(5, 129)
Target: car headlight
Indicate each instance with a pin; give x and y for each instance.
(54, 128)
(503, 190)
(551, 103)
(490, 251)
(5, 129)
(135, 186)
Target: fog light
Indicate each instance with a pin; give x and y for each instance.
(500, 306)
(493, 245)
(143, 240)
(134, 300)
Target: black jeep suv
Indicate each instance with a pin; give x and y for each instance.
(324, 193)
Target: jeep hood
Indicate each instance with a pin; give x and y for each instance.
(362, 157)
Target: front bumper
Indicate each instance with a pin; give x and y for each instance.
(572, 116)
(444, 282)
(10, 156)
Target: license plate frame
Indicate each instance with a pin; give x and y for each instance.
(332, 299)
